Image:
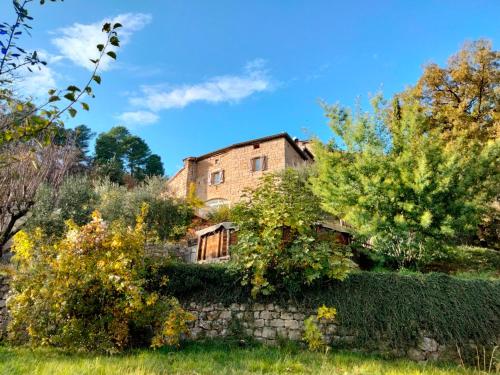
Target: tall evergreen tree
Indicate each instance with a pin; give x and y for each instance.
(117, 153)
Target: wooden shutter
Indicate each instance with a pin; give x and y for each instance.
(221, 176)
(209, 178)
(264, 163)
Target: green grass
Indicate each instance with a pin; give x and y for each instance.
(212, 358)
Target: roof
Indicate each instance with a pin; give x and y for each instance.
(214, 228)
(303, 154)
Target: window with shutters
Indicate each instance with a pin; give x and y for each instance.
(259, 164)
(216, 177)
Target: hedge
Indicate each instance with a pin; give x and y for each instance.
(375, 305)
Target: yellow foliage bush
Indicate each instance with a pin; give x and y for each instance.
(85, 291)
(312, 332)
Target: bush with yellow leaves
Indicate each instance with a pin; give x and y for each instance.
(312, 331)
(85, 291)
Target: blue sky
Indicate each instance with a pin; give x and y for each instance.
(193, 76)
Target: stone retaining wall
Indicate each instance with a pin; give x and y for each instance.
(4, 289)
(268, 323)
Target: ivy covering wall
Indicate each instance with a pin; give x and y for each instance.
(385, 307)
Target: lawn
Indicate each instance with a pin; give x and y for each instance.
(211, 358)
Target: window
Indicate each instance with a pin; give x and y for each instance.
(259, 164)
(256, 146)
(216, 178)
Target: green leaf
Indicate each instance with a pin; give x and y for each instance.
(115, 41)
(97, 78)
(100, 47)
(117, 25)
(106, 27)
(52, 92)
(112, 54)
(72, 112)
(73, 88)
(85, 106)
(70, 96)
(54, 98)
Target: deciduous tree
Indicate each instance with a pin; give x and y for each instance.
(393, 181)
(278, 245)
(30, 166)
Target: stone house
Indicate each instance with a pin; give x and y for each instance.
(221, 176)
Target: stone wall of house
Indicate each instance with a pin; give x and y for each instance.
(4, 289)
(236, 166)
(181, 250)
(268, 323)
(292, 158)
(178, 184)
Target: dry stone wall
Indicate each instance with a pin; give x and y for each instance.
(269, 323)
(4, 289)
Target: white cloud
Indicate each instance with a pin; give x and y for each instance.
(35, 84)
(227, 88)
(78, 42)
(138, 118)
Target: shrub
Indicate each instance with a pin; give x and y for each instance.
(312, 332)
(74, 200)
(278, 244)
(456, 259)
(85, 291)
(167, 219)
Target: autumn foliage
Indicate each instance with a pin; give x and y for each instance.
(85, 291)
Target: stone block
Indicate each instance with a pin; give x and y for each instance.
(415, 354)
(269, 332)
(291, 324)
(258, 307)
(277, 323)
(294, 334)
(265, 314)
(225, 314)
(270, 307)
(331, 329)
(428, 344)
(212, 315)
(286, 315)
(259, 323)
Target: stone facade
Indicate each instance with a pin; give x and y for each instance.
(179, 250)
(235, 162)
(270, 322)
